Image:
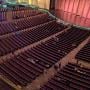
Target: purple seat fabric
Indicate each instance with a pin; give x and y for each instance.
(69, 79)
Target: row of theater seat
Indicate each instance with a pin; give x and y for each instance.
(21, 24)
(20, 8)
(18, 13)
(79, 33)
(19, 40)
(84, 53)
(71, 77)
(25, 67)
(3, 14)
(24, 13)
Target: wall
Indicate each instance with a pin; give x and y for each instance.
(74, 11)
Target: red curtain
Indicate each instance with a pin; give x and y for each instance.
(74, 11)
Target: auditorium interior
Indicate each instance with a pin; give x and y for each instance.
(44, 44)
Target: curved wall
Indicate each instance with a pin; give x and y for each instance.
(74, 11)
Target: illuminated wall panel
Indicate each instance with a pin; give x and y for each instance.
(41, 3)
(21, 1)
(30, 1)
(74, 11)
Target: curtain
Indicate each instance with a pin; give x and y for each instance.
(74, 11)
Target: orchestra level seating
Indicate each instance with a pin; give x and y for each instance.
(27, 66)
(3, 14)
(21, 39)
(32, 43)
(84, 53)
(18, 13)
(20, 24)
(71, 77)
